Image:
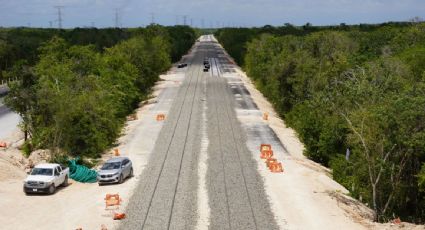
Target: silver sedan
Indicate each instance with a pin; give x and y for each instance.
(115, 170)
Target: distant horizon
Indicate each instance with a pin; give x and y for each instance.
(204, 13)
(260, 26)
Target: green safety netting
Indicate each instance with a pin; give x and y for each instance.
(81, 173)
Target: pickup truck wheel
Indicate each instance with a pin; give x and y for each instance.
(131, 173)
(65, 182)
(121, 179)
(52, 189)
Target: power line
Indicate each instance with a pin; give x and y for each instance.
(59, 20)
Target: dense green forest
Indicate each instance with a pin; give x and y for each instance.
(21, 44)
(355, 96)
(76, 87)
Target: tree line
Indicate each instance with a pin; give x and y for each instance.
(355, 96)
(20, 45)
(75, 98)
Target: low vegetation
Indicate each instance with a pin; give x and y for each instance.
(355, 96)
(74, 96)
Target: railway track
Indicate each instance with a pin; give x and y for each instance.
(166, 197)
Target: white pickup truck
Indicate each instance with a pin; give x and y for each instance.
(46, 178)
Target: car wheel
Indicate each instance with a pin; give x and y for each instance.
(131, 173)
(65, 182)
(52, 189)
(121, 179)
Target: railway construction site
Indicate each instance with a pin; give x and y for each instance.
(199, 165)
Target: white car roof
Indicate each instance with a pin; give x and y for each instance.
(46, 166)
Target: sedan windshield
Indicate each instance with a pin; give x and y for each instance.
(42, 172)
(111, 165)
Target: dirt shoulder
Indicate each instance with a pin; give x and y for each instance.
(83, 205)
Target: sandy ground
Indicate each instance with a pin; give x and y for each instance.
(83, 205)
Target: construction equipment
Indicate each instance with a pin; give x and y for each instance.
(265, 147)
(160, 117)
(265, 116)
(276, 167)
(270, 161)
(119, 216)
(266, 154)
(112, 200)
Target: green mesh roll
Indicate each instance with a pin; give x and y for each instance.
(81, 173)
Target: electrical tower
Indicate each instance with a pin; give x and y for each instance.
(117, 18)
(152, 18)
(59, 20)
(184, 19)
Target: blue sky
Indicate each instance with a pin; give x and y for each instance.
(133, 13)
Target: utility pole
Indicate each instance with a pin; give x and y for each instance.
(117, 18)
(177, 20)
(50, 24)
(184, 19)
(152, 18)
(59, 8)
(191, 22)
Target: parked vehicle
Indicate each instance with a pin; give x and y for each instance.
(181, 65)
(206, 69)
(115, 170)
(45, 178)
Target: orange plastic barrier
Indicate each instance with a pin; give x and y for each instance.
(116, 152)
(266, 154)
(265, 147)
(265, 116)
(276, 167)
(397, 221)
(3, 144)
(160, 117)
(119, 216)
(112, 200)
(270, 161)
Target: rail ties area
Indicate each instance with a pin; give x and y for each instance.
(239, 200)
(166, 197)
